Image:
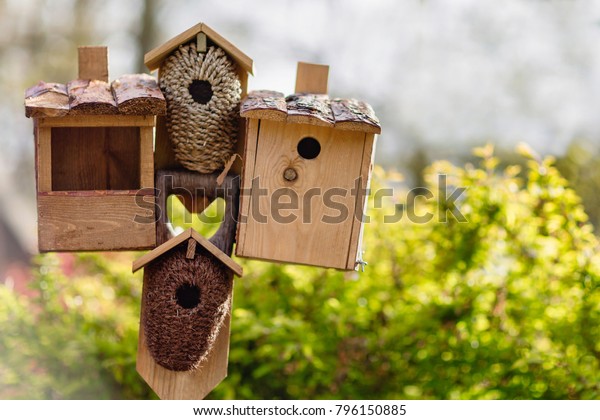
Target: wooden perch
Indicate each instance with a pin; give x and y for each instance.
(91, 97)
(138, 94)
(350, 114)
(46, 100)
(264, 104)
(309, 109)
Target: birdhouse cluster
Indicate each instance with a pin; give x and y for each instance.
(109, 154)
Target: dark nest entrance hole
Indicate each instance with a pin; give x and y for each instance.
(201, 91)
(188, 296)
(309, 148)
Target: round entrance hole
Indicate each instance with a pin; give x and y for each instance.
(201, 91)
(188, 296)
(309, 148)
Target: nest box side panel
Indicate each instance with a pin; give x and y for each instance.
(355, 253)
(250, 146)
(313, 210)
(80, 221)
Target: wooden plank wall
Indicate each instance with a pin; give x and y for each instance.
(95, 158)
(90, 223)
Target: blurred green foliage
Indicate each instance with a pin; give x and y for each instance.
(506, 305)
(581, 167)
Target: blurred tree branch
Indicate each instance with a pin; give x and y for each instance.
(147, 32)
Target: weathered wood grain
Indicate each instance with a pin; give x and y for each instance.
(135, 94)
(198, 187)
(91, 97)
(264, 104)
(47, 99)
(351, 114)
(104, 223)
(309, 109)
(96, 158)
(138, 94)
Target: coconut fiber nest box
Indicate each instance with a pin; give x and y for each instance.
(186, 303)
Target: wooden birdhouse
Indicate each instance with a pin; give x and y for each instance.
(94, 158)
(203, 77)
(186, 306)
(307, 164)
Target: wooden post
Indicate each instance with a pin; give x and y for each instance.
(44, 158)
(93, 63)
(311, 78)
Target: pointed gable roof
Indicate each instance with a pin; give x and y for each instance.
(154, 58)
(182, 237)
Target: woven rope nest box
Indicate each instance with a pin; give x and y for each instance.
(203, 94)
(186, 297)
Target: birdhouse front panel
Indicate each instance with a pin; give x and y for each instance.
(305, 211)
(307, 165)
(94, 159)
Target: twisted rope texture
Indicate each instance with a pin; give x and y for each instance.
(203, 135)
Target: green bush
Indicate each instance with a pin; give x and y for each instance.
(503, 306)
